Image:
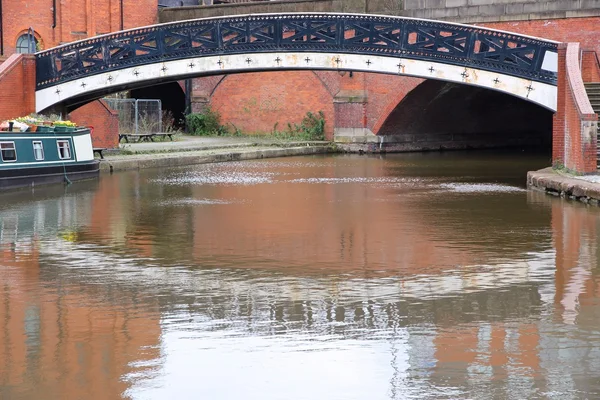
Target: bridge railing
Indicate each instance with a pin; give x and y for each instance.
(463, 45)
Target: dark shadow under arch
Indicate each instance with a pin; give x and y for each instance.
(171, 96)
(444, 115)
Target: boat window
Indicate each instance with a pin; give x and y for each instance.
(7, 149)
(38, 151)
(64, 149)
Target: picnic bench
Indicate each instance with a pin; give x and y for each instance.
(99, 150)
(148, 137)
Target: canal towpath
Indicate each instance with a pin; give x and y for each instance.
(189, 150)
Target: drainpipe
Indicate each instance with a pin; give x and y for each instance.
(31, 38)
(188, 101)
(122, 16)
(53, 14)
(1, 32)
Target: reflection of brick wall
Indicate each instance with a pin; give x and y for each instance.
(17, 80)
(104, 120)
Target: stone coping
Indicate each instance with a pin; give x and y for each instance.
(185, 158)
(556, 183)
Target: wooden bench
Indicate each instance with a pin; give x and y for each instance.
(99, 150)
(148, 137)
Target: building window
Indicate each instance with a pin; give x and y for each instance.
(7, 149)
(64, 149)
(38, 151)
(26, 43)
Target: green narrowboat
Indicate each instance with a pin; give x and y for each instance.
(36, 158)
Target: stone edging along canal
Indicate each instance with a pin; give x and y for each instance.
(558, 184)
(113, 163)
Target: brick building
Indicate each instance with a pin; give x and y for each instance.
(56, 22)
(27, 26)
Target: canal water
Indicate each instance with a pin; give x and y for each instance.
(412, 276)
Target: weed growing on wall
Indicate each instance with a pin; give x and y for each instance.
(207, 123)
(312, 127)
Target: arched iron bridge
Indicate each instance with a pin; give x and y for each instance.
(81, 71)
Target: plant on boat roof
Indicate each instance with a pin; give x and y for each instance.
(64, 123)
(29, 120)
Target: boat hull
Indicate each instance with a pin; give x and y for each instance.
(30, 177)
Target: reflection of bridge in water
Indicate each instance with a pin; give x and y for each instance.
(499, 308)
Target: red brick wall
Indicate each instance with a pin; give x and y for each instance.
(17, 86)
(590, 67)
(256, 102)
(585, 31)
(574, 131)
(104, 120)
(75, 19)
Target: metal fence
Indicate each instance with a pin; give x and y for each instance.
(137, 116)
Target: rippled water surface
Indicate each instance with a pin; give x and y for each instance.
(416, 276)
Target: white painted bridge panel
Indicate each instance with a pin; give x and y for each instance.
(542, 94)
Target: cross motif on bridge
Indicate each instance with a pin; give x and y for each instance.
(192, 65)
(83, 84)
(400, 66)
(278, 60)
(220, 62)
(465, 74)
(307, 60)
(110, 78)
(57, 91)
(431, 69)
(248, 60)
(496, 81)
(368, 62)
(529, 89)
(338, 61)
(136, 73)
(164, 68)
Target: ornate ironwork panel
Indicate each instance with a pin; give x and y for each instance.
(444, 42)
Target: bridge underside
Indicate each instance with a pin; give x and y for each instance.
(76, 92)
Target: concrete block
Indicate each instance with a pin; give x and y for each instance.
(414, 4)
(582, 13)
(482, 2)
(548, 15)
(514, 17)
(498, 9)
(468, 11)
(351, 96)
(587, 4)
(421, 13)
(563, 5)
(515, 8)
(456, 3)
(514, 1)
(442, 13)
(435, 3)
(538, 7)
